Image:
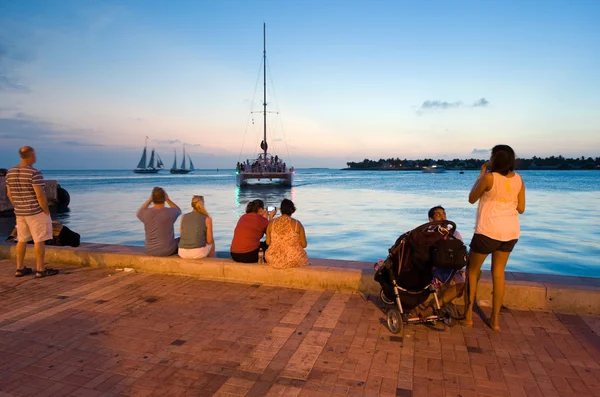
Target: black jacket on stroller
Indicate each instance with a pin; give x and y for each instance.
(411, 260)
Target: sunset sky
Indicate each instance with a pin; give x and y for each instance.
(84, 82)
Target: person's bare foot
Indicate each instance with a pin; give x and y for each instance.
(493, 324)
(467, 321)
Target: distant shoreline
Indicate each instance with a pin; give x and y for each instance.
(468, 169)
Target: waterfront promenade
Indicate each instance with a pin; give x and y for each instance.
(102, 332)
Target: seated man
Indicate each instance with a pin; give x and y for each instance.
(158, 223)
(453, 281)
(61, 235)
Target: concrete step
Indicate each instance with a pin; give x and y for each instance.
(523, 290)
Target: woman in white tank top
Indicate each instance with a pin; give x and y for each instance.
(501, 195)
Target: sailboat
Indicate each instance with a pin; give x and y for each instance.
(150, 168)
(182, 169)
(265, 166)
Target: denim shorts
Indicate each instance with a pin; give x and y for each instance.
(449, 276)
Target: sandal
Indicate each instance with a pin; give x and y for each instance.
(46, 272)
(23, 272)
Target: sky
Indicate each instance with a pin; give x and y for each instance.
(84, 82)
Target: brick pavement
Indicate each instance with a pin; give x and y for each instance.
(97, 332)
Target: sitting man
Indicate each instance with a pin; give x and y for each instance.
(453, 281)
(61, 236)
(158, 223)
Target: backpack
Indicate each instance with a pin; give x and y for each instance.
(449, 253)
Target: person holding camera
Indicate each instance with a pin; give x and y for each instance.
(501, 195)
(250, 228)
(158, 223)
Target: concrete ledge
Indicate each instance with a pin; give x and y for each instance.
(523, 290)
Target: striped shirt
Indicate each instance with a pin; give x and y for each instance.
(21, 180)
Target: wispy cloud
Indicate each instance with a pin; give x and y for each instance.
(10, 60)
(480, 151)
(440, 105)
(23, 127)
(75, 143)
(167, 142)
(175, 141)
(433, 105)
(27, 129)
(481, 103)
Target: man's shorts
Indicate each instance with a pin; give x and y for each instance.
(449, 276)
(485, 245)
(37, 227)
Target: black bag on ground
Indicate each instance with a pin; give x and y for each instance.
(67, 237)
(449, 253)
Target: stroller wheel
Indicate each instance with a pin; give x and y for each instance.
(394, 321)
(384, 298)
(452, 316)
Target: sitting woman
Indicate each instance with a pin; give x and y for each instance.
(286, 239)
(248, 232)
(196, 231)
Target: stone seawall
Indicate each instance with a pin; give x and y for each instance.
(523, 290)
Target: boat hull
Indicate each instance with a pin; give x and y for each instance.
(180, 171)
(274, 178)
(434, 170)
(146, 170)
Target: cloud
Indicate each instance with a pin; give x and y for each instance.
(23, 127)
(175, 141)
(166, 142)
(10, 60)
(75, 143)
(9, 84)
(432, 105)
(440, 104)
(481, 103)
(29, 130)
(480, 151)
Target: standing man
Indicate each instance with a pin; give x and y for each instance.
(25, 189)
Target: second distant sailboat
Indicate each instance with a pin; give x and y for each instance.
(182, 169)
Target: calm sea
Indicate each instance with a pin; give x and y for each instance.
(353, 215)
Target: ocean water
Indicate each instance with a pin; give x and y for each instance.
(353, 215)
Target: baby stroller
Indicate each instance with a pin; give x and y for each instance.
(406, 274)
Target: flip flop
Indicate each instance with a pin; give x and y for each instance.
(23, 272)
(46, 272)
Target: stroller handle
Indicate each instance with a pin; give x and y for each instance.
(437, 223)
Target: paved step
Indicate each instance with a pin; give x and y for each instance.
(523, 290)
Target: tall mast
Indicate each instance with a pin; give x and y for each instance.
(265, 89)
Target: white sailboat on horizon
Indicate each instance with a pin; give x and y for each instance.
(266, 167)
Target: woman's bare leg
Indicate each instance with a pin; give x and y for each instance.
(499, 259)
(475, 261)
